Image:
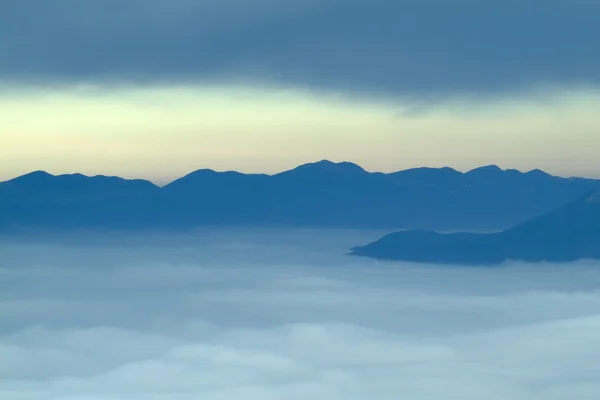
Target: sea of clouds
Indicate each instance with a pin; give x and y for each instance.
(261, 315)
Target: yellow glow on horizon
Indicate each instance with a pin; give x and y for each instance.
(161, 133)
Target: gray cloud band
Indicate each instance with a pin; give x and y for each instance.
(390, 47)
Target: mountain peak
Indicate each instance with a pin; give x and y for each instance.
(538, 173)
(31, 178)
(331, 167)
(38, 173)
(34, 175)
(485, 168)
(428, 171)
(202, 171)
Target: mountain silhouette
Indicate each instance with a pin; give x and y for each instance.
(322, 194)
(325, 168)
(568, 233)
(39, 199)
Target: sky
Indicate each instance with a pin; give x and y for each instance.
(158, 88)
(270, 315)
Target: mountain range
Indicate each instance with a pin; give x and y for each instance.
(320, 194)
(569, 233)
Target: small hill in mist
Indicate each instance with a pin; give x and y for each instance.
(323, 194)
(568, 233)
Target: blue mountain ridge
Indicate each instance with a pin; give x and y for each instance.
(320, 194)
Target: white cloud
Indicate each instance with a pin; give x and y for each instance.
(286, 316)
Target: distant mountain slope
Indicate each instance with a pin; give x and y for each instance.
(321, 194)
(40, 199)
(40, 183)
(568, 233)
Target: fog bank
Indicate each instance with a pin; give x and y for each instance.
(269, 314)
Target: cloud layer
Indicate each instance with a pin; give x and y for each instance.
(274, 315)
(409, 47)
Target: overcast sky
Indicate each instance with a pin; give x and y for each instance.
(157, 88)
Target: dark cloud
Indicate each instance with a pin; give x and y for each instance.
(383, 46)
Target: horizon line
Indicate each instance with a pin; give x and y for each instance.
(323, 161)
